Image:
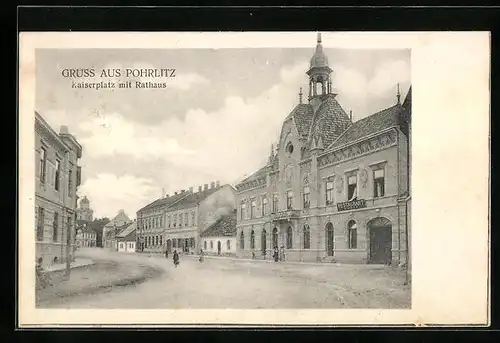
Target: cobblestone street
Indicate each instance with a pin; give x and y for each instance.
(218, 283)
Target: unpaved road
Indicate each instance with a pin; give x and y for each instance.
(220, 283)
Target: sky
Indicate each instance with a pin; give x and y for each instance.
(216, 120)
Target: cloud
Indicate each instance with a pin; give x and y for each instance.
(109, 193)
(110, 134)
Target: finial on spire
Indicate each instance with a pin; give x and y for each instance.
(319, 37)
(399, 96)
(300, 95)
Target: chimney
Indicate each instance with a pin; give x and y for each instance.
(166, 196)
(190, 189)
(218, 183)
(350, 115)
(205, 186)
(63, 129)
(212, 185)
(199, 188)
(182, 191)
(175, 193)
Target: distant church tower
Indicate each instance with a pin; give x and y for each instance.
(84, 212)
(320, 82)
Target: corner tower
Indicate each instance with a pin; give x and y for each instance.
(320, 83)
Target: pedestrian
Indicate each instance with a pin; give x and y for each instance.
(201, 256)
(166, 253)
(176, 258)
(282, 253)
(253, 255)
(275, 254)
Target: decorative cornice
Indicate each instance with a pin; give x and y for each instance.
(251, 184)
(361, 147)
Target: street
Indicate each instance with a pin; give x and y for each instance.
(219, 283)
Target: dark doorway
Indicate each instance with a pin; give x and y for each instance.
(380, 241)
(218, 247)
(275, 238)
(263, 242)
(186, 245)
(169, 245)
(329, 239)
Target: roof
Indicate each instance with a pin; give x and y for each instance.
(260, 172)
(225, 226)
(193, 199)
(127, 230)
(374, 123)
(164, 201)
(329, 122)
(302, 116)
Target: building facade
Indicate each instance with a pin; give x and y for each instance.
(333, 189)
(220, 237)
(126, 238)
(85, 237)
(57, 178)
(84, 212)
(111, 229)
(175, 222)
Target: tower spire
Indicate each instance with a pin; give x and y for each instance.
(319, 37)
(300, 95)
(398, 96)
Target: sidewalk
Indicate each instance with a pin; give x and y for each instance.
(79, 262)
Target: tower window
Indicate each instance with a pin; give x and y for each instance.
(289, 148)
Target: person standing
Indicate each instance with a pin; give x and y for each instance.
(166, 253)
(176, 258)
(276, 254)
(201, 255)
(282, 253)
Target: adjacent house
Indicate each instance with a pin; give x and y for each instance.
(57, 177)
(126, 238)
(112, 228)
(85, 237)
(220, 237)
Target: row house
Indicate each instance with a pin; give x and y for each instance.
(57, 177)
(175, 222)
(111, 229)
(333, 189)
(85, 237)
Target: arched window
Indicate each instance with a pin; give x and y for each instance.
(307, 237)
(252, 240)
(211, 244)
(263, 241)
(242, 240)
(228, 244)
(205, 245)
(352, 234)
(275, 238)
(289, 238)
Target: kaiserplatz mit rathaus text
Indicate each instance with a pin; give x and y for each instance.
(333, 189)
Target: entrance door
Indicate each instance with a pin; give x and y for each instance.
(329, 239)
(380, 241)
(169, 245)
(218, 247)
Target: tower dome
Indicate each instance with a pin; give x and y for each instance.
(319, 59)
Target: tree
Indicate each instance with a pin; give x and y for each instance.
(97, 225)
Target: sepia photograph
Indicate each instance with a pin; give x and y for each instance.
(223, 178)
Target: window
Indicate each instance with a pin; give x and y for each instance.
(289, 200)
(306, 195)
(228, 245)
(40, 224)
(168, 220)
(378, 183)
(186, 218)
(70, 182)
(329, 192)
(43, 164)
(242, 210)
(289, 238)
(252, 240)
(161, 240)
(193, 220)
(252, 209)
(174, 242)
(205, 245)
(289, 148)
(242, 240)
(353, 235)
(55, 226)
(351, 187)
(175, 220)
(275, 203)
(264, 206)
(307, 237)
(57, 175)
(192, 242)
(211, 244)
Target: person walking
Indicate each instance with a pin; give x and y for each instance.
(201, 256)
(282, 253)
(166, 253)
(276, 254)
(176, 258)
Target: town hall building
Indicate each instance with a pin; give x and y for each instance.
(333, 190)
